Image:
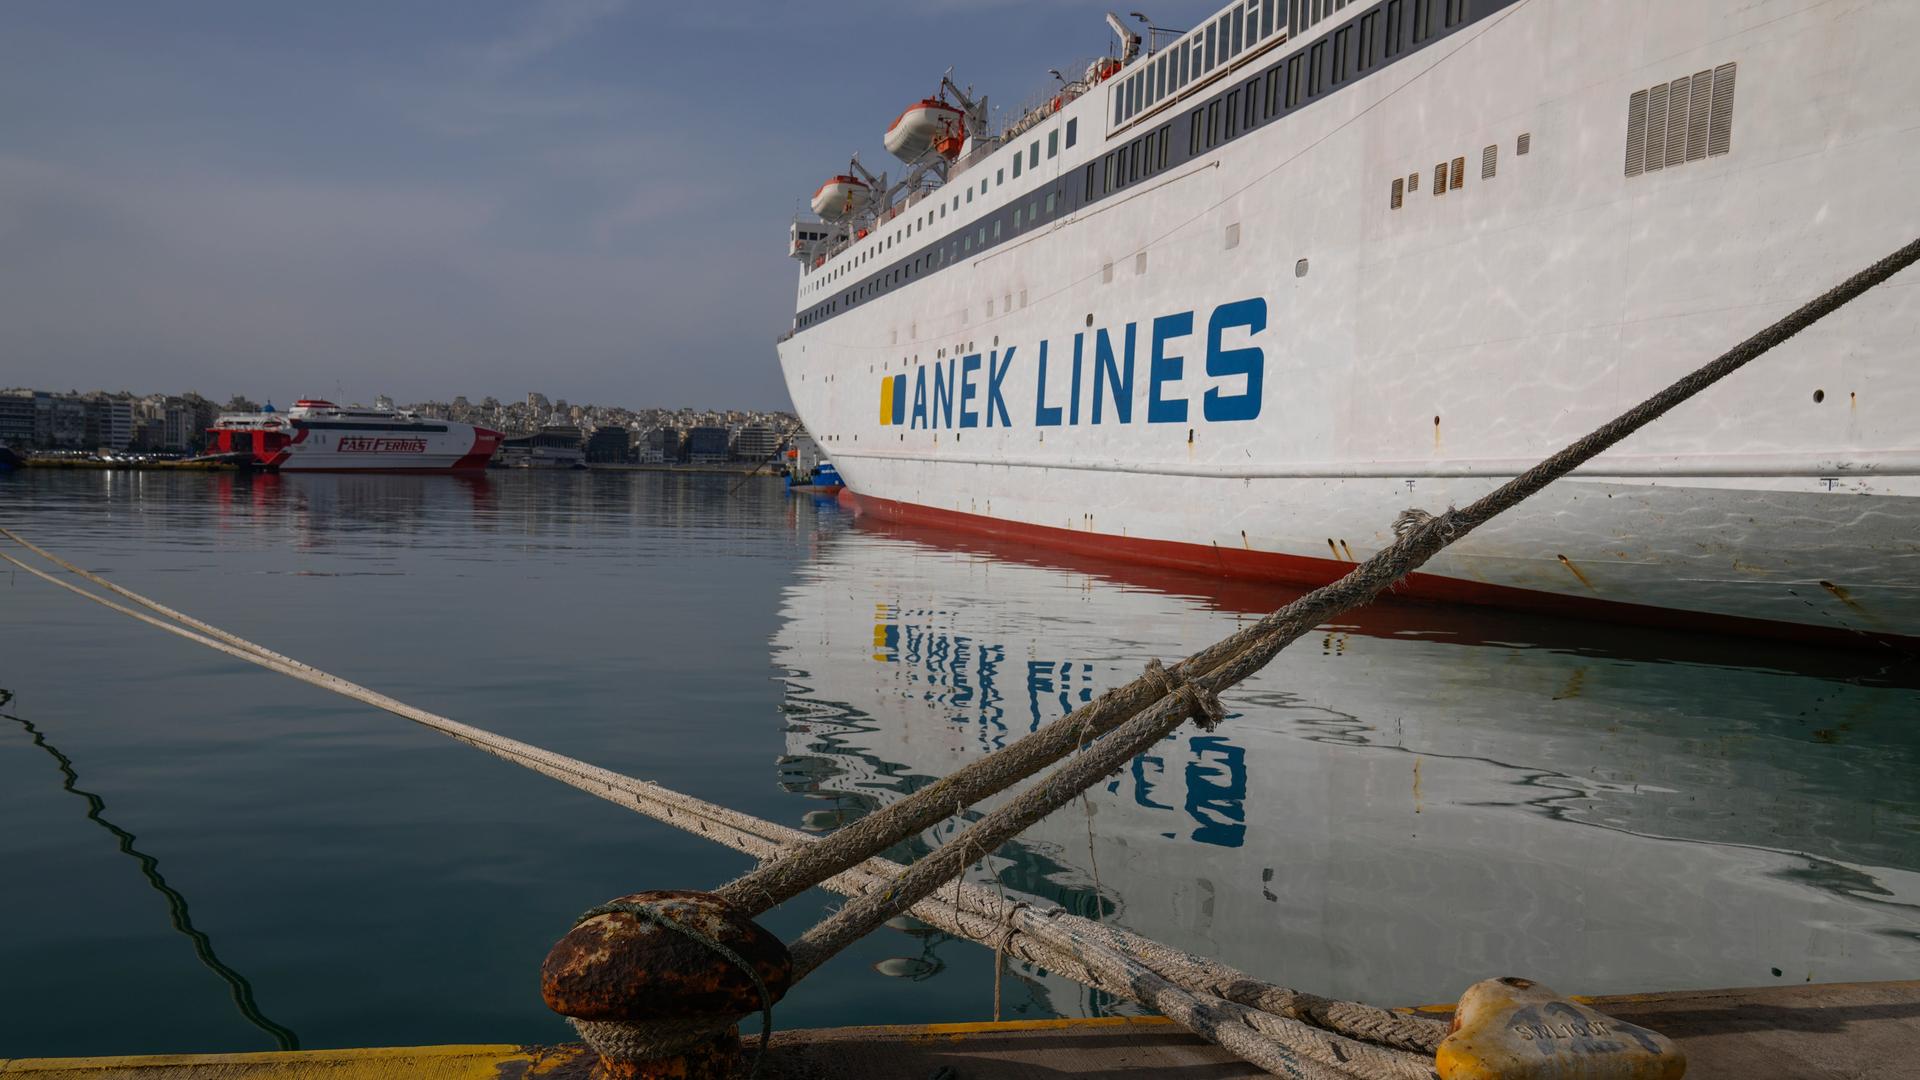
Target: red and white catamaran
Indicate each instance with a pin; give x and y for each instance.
(319, 436)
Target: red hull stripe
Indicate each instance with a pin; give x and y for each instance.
(1312, 573)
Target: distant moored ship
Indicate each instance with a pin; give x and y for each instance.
(319, 436)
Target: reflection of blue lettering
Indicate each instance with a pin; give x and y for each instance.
(1217, 791)
(1142, 787)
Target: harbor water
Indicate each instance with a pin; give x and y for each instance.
(198, 855)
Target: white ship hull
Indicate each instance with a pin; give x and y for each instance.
(1368, 358)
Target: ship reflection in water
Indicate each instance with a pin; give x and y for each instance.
(1402, 804)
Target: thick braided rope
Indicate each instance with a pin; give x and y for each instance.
(1272, 1043)
(654, 1039)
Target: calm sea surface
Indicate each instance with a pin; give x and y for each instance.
(196, 854)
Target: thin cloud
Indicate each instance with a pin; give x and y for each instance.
(551, 25)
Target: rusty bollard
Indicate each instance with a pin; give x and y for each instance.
(656, 984)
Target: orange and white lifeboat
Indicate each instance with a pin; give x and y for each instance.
(925, 123)
(840, 196)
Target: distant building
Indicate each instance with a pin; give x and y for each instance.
(16, 418)
(552, 447)
(108, 422)
(756, 442)
(65, 422)
(608, 445)
(661, 446)
(707, 445)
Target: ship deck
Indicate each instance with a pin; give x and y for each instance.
(1857, 1031)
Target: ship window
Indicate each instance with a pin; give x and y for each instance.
(1233, 117)
(1207, 57)
(1422, 14)
(1266, 17)
(1316, 68)
(1053, 143)
(1146, 153)
(1342, 40)
(969, 193)
(983, 185)
(1017, 161)
(1049, 202)
(1073, 132)
(1119, 105)
(996, 230)
(1166, 133)
(999, 177)
(1193, 134)
(1252, 115)
(1180, 58)
(1016, 218)
(1273, 91)
(1396, 24)
(1213, 122)
(1033, 210)
(1456, 10)
(1090, 171)
(982, 238)
(1160, 76)
(1294, 67)
(1239, 31)
(1033, 155)
(966, 243)
(943, 209)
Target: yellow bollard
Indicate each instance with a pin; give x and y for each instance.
(1516, 1029)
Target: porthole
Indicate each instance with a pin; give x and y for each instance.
(1819, 396)
(1300, 269)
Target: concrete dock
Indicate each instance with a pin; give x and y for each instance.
(1840, 1031)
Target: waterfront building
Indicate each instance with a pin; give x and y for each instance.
(608, 445)
(756, 442)
(707, 445)
(109, 422)
(16, 418)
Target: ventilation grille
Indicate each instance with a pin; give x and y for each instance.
(1688, 119)
(1399, 193)
(1459, 173)
(1489, 160)
(1440, 179)
(1523, 144)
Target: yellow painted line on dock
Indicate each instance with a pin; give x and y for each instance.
(478, 1062)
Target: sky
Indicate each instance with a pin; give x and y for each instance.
(587, 198)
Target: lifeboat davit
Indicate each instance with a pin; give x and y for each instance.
(840, 196)
(925, 123)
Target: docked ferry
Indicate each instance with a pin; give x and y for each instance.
(1234, 302)
(319, 436)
